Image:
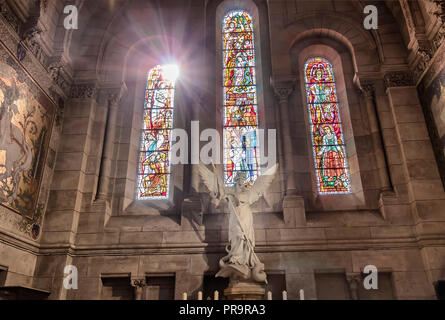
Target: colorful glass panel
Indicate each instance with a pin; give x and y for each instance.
(154, 158)
(328, 144)
(239, 99)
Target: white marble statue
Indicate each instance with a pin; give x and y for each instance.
(241, 261)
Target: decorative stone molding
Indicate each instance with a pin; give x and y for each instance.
(398, 79)
(58, 72)
(424, 55)
(10, 16)
(30, 34)
(83, 91)
(439, 11)
(404, 5)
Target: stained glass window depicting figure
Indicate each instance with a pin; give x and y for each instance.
(154, 158)
(328, 144)
(241, 152)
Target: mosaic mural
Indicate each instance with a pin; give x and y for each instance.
(26, 117)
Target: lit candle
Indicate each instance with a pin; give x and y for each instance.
(200, 295)
(269, 295)
(301, 294)
(184, 296)
(285, 295)
(216, 295)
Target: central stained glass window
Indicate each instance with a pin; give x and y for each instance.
(328, 144)
(239, 98)
(154, 160)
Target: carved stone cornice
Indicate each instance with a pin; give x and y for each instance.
(83, 91)
(398, 79)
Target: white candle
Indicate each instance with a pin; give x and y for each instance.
(269, 295)
(200, 295)
(216, 295)
(184, 296)
(285, 295)
(301, 294)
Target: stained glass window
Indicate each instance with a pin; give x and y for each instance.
(239, 99)
(328, 144)
(154, 159)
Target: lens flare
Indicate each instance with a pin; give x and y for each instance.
(171, 72)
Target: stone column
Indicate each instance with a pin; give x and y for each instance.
(354, 281)
(368, 91)
(192, 206)
(293, 204)
(139, 285)
(283, 91)
(107, 146)
(424, 189)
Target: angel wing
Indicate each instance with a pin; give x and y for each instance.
(262, 184)
(212, 181)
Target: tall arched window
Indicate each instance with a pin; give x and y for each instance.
(154, 159)
(239, 98)
(328, 144)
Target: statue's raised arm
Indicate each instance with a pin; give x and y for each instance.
(262, 183)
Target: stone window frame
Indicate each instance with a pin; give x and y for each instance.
(132, 205)
(332, 201)
(221, 11)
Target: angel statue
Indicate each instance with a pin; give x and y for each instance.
(241, 262)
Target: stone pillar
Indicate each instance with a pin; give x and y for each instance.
(107, 144)
(139, 285)
(192, 206)
(368, 91)
(424, 188)
(293, 204)
(354, 281)
(283, 91)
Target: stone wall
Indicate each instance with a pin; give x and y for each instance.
(394, 220)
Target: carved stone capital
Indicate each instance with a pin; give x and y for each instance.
(354, 281)
(283, 93)
(58, 71)
(115, 96)
(83, 91)
(368, 89)
(283, 87)
(398, 79)
(138, 282)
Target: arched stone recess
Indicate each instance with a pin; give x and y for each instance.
(127, 55)
(352, 120)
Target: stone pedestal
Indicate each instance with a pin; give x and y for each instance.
(245, 290)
